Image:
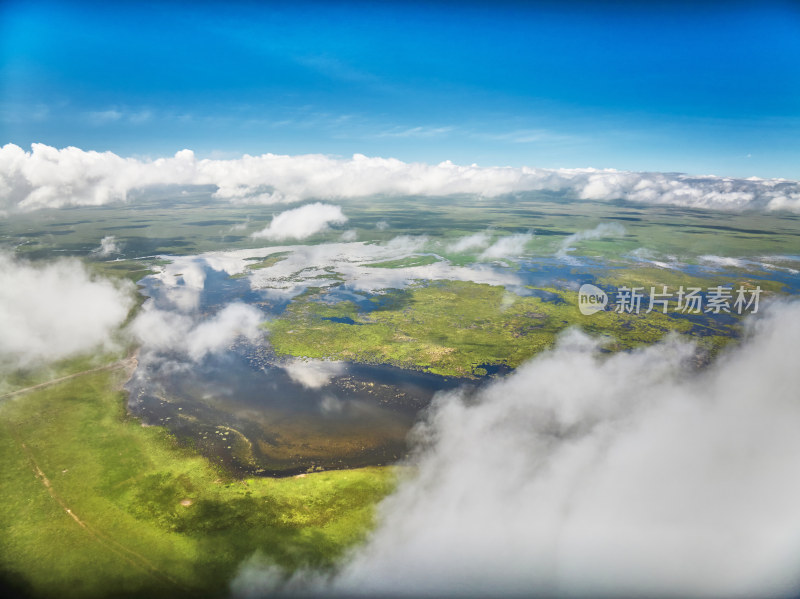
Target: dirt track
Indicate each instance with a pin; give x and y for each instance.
(107, 542)
(132, 557)
(129, 362)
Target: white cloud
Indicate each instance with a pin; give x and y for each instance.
(416, 132)
(140, 117)
(540, 136)
(108, 246)
(476, 241)
(626, 476)
(233, 321)
(511, 246)
(600, 231)
(49, 177)
(56, 310)
(240, 226)
(313, 374)
(302, 222)
(165, 330)
(161, 330)
(104, 117)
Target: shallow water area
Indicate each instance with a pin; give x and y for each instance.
(245, 411)
(242, 408)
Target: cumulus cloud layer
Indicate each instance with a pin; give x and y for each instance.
(57, 310)
(582, 476)
(302, 222)
(49, 177)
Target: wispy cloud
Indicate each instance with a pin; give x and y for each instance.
(335, 68)
(108, 246)
(28, 113)
(103, 117)
(416, 132)
(141, 116)
(600, 231)
(119, 115)
(525, 136)
(476, 241)
(511, 246)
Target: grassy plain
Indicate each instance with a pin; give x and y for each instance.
(457, 328)
(96, 505)
(180, 222)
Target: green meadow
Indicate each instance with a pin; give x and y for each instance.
(456, 328)
(96, 505)
(167, 221)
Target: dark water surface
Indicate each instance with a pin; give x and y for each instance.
(241, 408)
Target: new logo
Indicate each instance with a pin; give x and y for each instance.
(591, 299)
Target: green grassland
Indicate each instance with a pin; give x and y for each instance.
(181, 222)
(147, 517)
(456, 328)
(671, 230)
(647, 276)
(21, 378)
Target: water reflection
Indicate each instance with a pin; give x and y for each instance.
(241, 407)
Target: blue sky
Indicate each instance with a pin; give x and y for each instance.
(691, 87)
